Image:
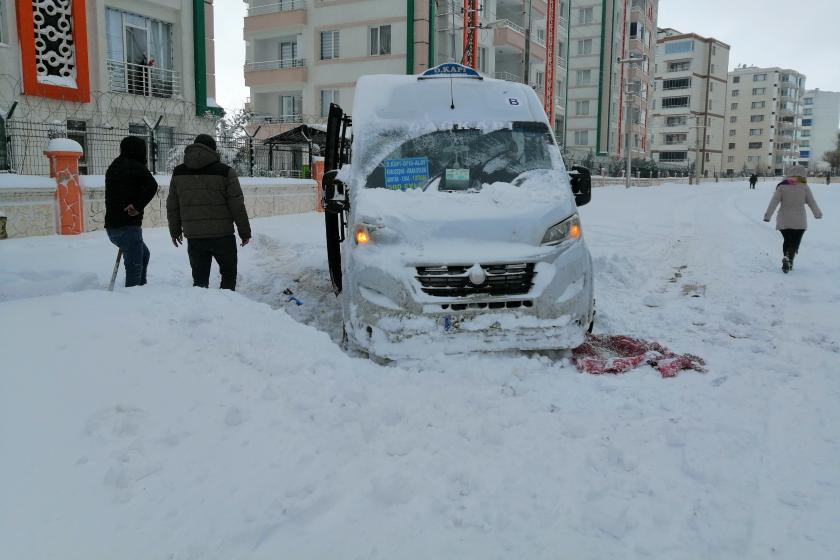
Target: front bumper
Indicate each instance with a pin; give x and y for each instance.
(390, 316)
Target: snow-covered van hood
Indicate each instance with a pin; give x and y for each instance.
(499, 212)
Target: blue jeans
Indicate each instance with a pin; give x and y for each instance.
(135, 253)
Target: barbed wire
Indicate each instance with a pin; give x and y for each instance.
(105, 108)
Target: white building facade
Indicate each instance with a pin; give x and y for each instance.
(303, 55)
(600, 32)
(820, 127)
(689, 103)
(764, 109)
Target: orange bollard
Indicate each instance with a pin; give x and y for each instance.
(318, 175)
(64, 155)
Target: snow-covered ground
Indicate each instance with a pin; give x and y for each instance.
(170, 422)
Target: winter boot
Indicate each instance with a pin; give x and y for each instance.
(785, 264)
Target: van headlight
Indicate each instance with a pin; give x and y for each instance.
(371, 234)
(564, 231)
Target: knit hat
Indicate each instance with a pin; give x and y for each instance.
(206, 140)
(797, 171)
(133, 147)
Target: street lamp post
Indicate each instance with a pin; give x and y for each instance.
(630, 60)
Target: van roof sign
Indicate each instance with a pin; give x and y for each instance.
(450, 70)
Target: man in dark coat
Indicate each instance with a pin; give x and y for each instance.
(205, 201)
(753, 180)
(129, 187)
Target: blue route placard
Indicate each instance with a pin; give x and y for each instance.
(406, 173)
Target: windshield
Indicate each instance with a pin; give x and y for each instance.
(461, 159)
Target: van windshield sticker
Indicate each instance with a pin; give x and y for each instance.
(406, 173)
(457, 179)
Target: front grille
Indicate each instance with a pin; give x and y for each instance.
(453, 280)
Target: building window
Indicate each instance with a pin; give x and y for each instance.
(805, 144)
(673, 157)
(756, 118)
(2, 36)
(328, 96)
(756, 145)
(733, 119)
(714, 51)
(807, 122)
(675, 47)
(712, 71)
(680, 138)
(758, 104)
(805, 153)
(676, 121)
(756, 131)
(731, 132)
(330, 41)
(760, 77)
(380, 40)
(733, 106)
(753, 159)
(735, 92)
(676, 83)
(679, 66)
(759, 90)
(736, 79)
(288, 54)
(809, 101)
(139, 55)
(582, 108)
(637, 31)
(730, 159)
(808, 112)
(77, 130)
(806, 134)
(671, 102)
(584, 47)
(290, 108)
(584, 77)
(581, 138)
(585, 16)
(482, 60)
(732, 145)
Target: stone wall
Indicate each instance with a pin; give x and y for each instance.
(30, 206)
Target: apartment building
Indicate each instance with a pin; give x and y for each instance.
(600, 88)
(820, 126)
(688, 117)
(304, 54)
(764, 109)
(91, 69)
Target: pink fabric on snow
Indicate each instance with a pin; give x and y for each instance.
(617, 354)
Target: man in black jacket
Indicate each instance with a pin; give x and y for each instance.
(129, 187)
(204, 202)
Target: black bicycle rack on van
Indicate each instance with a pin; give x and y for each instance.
(335, 196)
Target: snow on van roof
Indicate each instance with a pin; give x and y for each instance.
(407, 99)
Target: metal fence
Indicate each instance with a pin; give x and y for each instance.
(22, 145)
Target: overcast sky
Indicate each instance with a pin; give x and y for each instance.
(798, 34)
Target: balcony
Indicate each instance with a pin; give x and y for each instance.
(273, 119)
(280, 15)
(511, 35)
(265, 72)
(508, 76)
(140, 79)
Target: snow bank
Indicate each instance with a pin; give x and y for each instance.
(171, 422)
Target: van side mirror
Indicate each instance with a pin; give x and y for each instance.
(581, 180)
(329, 187)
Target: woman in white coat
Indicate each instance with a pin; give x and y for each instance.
(791, 196)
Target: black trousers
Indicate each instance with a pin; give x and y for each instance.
(792, 239)
(203, 251)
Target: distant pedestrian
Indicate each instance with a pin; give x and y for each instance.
(204, 202)
(129, 187)
(792, 194)
(828, 178)
(753, 180)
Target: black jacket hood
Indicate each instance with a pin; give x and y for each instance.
(198, 156)
(133, 147)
